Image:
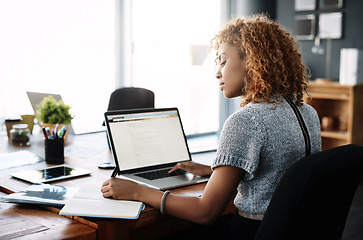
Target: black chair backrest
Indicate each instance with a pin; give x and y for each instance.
(131, 98)
(314, 196)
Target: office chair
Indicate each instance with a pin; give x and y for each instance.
(131, 98)
(128, 98)
(313, 198)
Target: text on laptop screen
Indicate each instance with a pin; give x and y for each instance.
(147, 139)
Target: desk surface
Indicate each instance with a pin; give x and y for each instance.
(87, 151)
(23, 221)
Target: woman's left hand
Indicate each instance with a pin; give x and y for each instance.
(119, 189)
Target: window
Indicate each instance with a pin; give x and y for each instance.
(58, 46)
(68, 47)
(170, 57)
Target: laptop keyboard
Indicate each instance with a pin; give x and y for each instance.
(163, 173)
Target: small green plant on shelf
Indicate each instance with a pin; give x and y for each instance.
(52, 111)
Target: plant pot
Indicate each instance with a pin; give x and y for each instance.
(53, 126)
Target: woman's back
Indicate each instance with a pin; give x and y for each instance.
(265, 141)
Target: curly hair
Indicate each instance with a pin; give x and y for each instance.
(274, 63)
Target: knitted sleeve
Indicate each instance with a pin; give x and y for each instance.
(241, 142)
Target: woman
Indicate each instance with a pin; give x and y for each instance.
(260, 62)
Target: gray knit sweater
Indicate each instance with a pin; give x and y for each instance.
(264, 142)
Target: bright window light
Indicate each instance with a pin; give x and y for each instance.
(170, 57)
(60, 46)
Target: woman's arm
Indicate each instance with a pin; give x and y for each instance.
(218, 192)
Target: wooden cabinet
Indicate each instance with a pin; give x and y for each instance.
(340, 109)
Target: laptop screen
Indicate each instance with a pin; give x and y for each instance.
(147, 138)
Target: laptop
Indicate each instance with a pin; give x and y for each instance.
(35, 98)
(81, 124)
(146, 144)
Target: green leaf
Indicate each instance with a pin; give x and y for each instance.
(51, 111)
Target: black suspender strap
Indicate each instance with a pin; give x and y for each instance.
(302, 125)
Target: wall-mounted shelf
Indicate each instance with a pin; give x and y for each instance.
(343, 107)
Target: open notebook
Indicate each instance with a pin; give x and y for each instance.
(89, 202)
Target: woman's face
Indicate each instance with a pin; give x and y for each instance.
(231, 71)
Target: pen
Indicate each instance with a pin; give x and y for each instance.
(49, 135)
(64, 133)
(44, 132)
(56, 130)
(115, 172)
(61, 132)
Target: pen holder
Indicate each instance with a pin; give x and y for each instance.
(53, 126)
(54, 151)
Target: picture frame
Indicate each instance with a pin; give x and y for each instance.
(331, 25)
(330, 4)
(305, 5)
(305, 27)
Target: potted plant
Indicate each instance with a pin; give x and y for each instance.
(51, 112)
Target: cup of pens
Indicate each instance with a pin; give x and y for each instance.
(54, 144)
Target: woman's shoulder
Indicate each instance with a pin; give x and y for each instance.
(250, 114)
(243, 112)
(266, 111)
(253, 109)
(309, 109)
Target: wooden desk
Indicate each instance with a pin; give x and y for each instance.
(22, 221)
(87, 151)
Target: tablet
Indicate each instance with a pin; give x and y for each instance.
(50, 174)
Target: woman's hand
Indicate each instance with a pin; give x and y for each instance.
(193, 167)
(120, 189)
(217, 194)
